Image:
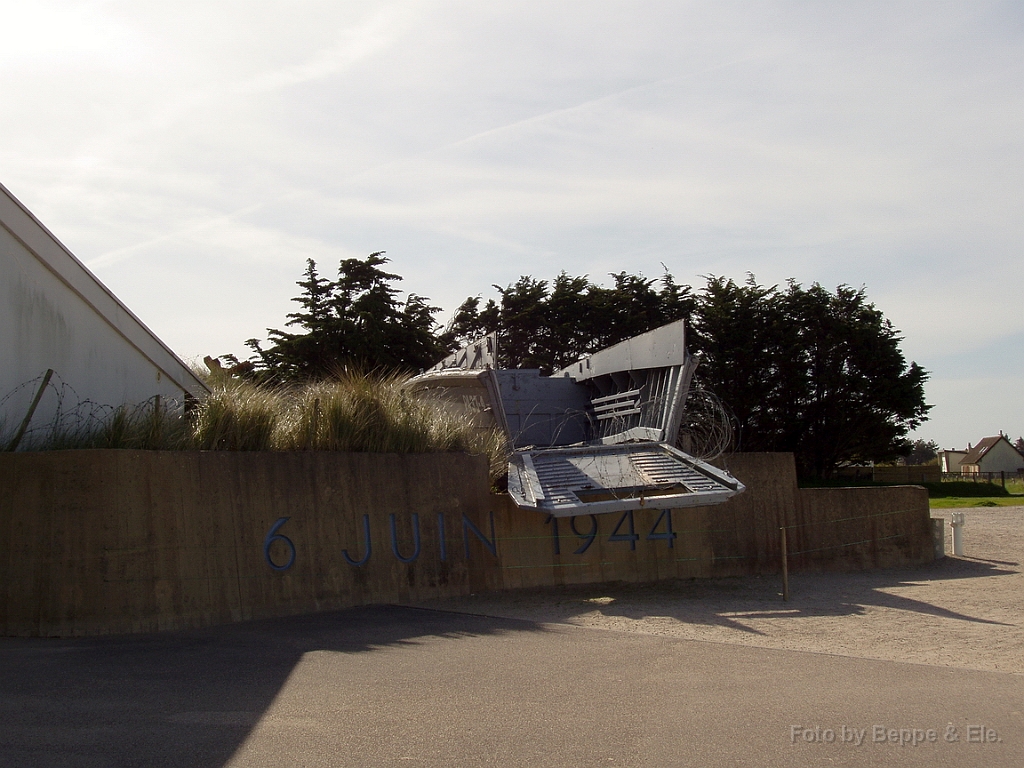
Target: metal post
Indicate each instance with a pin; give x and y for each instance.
(157, 423)
(31, 410)
(785, 566)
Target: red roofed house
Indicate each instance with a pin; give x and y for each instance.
(993, 454)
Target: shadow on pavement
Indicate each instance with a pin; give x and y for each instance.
(183, 698)
(725, 602)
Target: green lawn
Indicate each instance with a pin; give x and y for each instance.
(955, 493)
(951, 502)
(949, 495)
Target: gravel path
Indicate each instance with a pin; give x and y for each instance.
(957, 612)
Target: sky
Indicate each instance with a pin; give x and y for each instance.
(194, 154)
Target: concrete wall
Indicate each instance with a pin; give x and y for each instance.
(125, 541)
(55, 314)
(855, 528)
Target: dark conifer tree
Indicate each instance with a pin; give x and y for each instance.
(357, 320)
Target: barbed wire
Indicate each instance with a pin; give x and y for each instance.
(78, 422)
(707, 429)
(847, 519)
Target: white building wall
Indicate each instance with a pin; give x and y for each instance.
(1001, 457)
(949, 461)
(54, 314)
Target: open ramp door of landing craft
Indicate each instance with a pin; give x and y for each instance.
(614, 478)
(594, 437)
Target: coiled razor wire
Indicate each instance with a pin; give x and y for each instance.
(707, 428)
(78, 422)
(706, 432)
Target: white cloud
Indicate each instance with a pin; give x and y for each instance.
(370, 37)
(223, 142)
(54, 35)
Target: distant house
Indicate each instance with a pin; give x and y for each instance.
(949, 461)
(55, 315)
(993, 454)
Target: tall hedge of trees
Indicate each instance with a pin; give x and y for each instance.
(808, 370)
(357, 320)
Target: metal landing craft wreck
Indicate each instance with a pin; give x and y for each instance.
(595, 437)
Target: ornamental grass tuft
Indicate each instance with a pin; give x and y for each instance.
(352, 412)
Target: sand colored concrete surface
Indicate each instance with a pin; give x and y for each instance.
(100, 542)
(964, 612)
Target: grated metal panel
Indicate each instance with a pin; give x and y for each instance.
(660, 468)
(610, 478)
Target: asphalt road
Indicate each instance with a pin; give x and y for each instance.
(389, 686)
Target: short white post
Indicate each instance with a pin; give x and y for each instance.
(956, 522)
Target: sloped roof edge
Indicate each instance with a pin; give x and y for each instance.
(24, 227)
(983, 447)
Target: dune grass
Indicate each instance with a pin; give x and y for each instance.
(149, 426)
(237, 417)
(377, 415)
(354, 412)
